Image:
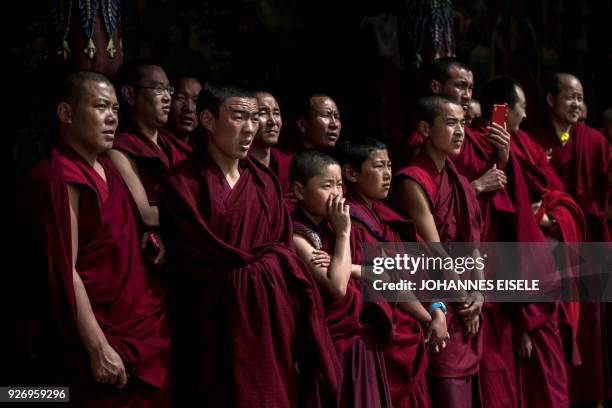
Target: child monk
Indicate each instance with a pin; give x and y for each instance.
(366, 170)
(444, 207)
(322, 228)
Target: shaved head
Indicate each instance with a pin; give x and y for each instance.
(308, 164)
(74, 87)
(558, 81)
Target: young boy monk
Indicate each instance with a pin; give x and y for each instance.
(321, 221)
(444, 207)
(366, 170)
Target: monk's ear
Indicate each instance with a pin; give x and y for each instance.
(128, 94)
(207, 120)
(423, 128)
(298, 190)
(550, 100)
(64, 112)
(301, 124)
(349, 173)
(435, 86)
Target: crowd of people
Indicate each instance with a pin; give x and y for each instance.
(181, 258)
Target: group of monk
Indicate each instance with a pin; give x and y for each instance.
(179, 257)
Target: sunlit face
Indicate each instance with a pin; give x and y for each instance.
(232, 131)
(373, 180)
(321, 129)
(459, 86)
(566, 106)
(517, 113)
(313, 196)
(270, 121)
(182, 116)
(447, 132)
(94, 117)
(150, 108)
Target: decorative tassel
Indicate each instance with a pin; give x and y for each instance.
(90, 50)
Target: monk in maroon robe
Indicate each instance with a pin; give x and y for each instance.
(581, 157)
(558, 215)
(142, 150)
(264, 145)
(321, 228)
(250, 325)
(541, 374)
(367, 174)
(444, 207)
(100, 324)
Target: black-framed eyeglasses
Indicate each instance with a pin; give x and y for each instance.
(159, 89)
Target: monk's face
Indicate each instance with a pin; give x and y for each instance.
(459, 86)
(313, 196)
(182, 116)
(373, 180)
(321, 129)
(232, 131)
(517, 113)
(94, 117)
(446, 134)
(270, 121)
(149, 107)
(566, 106)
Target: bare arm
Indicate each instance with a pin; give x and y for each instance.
(414, 202)
(106, 365)
(416, 310)
(129, 172)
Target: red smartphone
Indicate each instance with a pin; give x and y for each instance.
(498, 114)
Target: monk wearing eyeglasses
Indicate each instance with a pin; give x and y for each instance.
(142, 150)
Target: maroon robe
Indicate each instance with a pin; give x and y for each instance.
(451, 199)
(352, 328)
(250, 323)
(405, 351)
(544, 185)
(152, 160)
(541, 379)
(582, 165)
(123, 295)
(279, 164)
